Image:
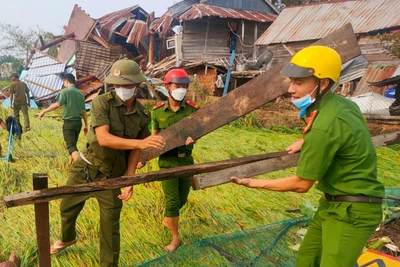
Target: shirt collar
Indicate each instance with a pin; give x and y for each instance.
(320, 103)
(119, 102)
(182, 105)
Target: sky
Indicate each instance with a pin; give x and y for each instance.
(52, 15)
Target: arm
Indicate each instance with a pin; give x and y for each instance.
(2, 124)
(54, 106)
(295, 147)
(11, 99)
(130, 170)
(108, 140)
(291, 183)
(85, 127)
(28, 99)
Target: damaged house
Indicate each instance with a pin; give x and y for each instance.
(88, 49)
(202, 35)
(299, 26)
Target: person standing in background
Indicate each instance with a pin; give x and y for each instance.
(19, 99)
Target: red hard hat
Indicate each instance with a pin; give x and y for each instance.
(176, 76)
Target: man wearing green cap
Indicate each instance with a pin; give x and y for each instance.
(337, 154)
(119, 131)
(19, 99)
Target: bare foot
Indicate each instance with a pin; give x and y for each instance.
(171, 247)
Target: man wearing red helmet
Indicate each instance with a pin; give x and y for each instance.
(165, 114)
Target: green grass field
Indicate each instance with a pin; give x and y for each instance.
(211, 212)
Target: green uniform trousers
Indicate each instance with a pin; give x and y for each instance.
(337, 233)
(176, 190)
(24, 109)
(110, 210)
(71, 130)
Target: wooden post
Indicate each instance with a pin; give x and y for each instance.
(40, 181)
(152, 57)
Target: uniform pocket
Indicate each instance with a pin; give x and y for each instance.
(339, 211)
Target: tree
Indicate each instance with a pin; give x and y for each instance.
(9, 63)
(20, 42)
(391, 42)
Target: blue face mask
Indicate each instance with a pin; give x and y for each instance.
(304, 102)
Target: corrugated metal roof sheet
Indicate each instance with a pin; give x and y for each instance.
(108, 23)
(81, 24)
(198, 11)
(89, 87)
(353, 69)
(374, 73)
(44, 87)
(163, 23)
(139, 30)
(314, 21)
(181, 7)
(127, 27)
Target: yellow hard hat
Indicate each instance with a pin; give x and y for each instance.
(320, 61)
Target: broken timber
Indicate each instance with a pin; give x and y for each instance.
(270, 165)
(246, 98)
(45, 195)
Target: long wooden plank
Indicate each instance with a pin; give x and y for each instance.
(270, 165)
(246, 98)
(45, 195)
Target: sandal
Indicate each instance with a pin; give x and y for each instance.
(27, 129)
(59, 246)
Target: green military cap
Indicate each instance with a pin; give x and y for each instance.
(125, 71)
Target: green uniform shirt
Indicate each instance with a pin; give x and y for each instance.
(19, 90)
(164, 116)
(73, 101)
(338, 151)
(110, 110)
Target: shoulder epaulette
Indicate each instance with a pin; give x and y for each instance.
(158, 105)
(192, 104)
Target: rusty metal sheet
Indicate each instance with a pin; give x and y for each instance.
(89, 87)
(200, 10)
(162, 24)
(374, 73)
(127, 27)
(313, 21)
(108, 23)
(67, 51)
(80, 23)
(139, 30)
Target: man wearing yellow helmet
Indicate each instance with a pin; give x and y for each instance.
(338, 155)
(119, 131)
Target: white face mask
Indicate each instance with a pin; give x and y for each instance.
(125, 93)
(178, 94)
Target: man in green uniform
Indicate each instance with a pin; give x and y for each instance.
(165, 114)
(3, 125)
(19, 99)
(73, 112)
(119, 131)
(338, 155)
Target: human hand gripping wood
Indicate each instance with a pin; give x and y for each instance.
(126, 193)
(190, 141)
(241, 181)
(153, 141)
(295, 147)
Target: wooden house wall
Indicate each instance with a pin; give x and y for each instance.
(197, 45)
(253, 5)
(249, 36)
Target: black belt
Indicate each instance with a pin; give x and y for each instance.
(365, 199)
(176, 153)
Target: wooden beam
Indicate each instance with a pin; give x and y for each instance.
(381, 117)
(269, 165)
(45, 195)
(40, 181)
(246, 98)
(56, 41)
(152, 47)
(41, 85)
